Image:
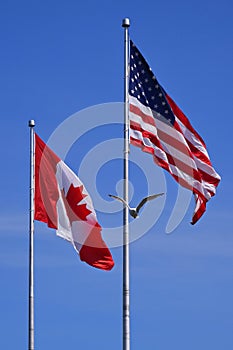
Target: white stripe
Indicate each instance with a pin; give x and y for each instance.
(174, 152)
(200, 186)
(170, 131)
(198, 204)
(192, 138)
(146, 126)
(194, 183)
(196, 163)
(206, 168)
(143, 108)
(202, 165)
(209, 187)
(157, 151)
(158, 125)
(199, 164)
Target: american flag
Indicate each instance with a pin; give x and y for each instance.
(159, 127)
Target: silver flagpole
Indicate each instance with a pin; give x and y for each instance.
(126, 299)
(31, 125)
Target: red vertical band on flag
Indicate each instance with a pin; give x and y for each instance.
(45, 183)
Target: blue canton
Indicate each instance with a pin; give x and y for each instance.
(144, 86)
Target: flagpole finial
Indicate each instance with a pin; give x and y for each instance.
(126, 22)
(31, 123)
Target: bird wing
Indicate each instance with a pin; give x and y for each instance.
(119, 199)
(146, 199)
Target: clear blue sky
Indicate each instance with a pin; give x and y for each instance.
(57, 58)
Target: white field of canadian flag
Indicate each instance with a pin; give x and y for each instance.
(62, 202)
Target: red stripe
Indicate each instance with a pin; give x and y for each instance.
(208, 178)
(158, 161)
(187, 185)
(167, 138)
(46, 191)
(184, 167)
(148, 134)
(182, 117)
(199, 212)
(198, 154)
(145, 117)
(193, 151)
(174, 143)
(165, 166)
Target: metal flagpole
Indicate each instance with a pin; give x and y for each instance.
(31, 125)
(126, 297)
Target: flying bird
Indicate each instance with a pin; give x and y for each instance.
(134, 211)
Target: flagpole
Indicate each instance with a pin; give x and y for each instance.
(126, 287)
(31, 125)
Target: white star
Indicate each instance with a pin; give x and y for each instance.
(132, 79)
(139, 96)
(146, 80)
(160, 95)
(156, 106)
(132, 56)
(152, 97)
(142, 71)
(139, 62)
(157, 86)
(136, 53)
(163, 103)
(153, 77)
(166, 112)
(132, 91)
(149, 89)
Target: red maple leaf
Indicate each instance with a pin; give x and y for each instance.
(74, 211)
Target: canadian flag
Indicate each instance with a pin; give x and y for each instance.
(62, 202)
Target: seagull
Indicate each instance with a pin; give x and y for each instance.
(134, 211)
